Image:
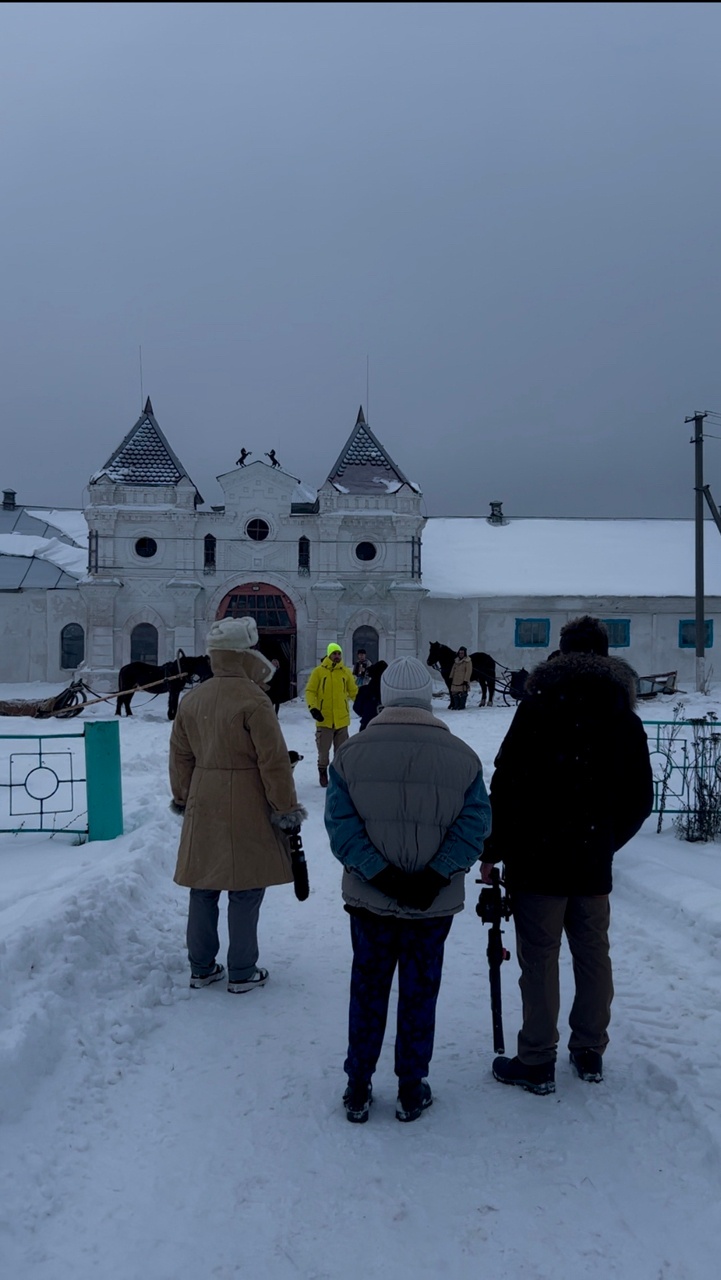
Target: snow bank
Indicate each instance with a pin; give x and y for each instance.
(153, 1133)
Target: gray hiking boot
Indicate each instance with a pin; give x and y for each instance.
(205, 979)
(258, 979)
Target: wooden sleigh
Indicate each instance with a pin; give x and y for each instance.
(651, 686)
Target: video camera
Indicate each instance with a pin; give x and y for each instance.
(493, 904)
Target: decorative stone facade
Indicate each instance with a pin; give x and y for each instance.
(345, 558)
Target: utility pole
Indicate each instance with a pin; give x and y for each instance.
(697, 441)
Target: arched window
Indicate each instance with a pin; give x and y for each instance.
(365, 638)
(144, 643)
(304, 557)
(209, 553)
(72, 646)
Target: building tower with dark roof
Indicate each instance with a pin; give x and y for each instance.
(141, 591)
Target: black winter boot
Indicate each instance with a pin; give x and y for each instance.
(357, 1100)
(538, 1079)
(588, 1064)
(414, 1096)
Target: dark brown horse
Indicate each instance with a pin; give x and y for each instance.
(169, 678)
(442, 657)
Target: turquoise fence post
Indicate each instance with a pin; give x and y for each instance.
(103, 780)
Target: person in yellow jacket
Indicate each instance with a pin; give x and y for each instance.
(329, 690)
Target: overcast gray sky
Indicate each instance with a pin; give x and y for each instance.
(511, 209)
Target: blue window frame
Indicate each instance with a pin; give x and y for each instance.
(687, 633)
(533, 633)
(619, 632)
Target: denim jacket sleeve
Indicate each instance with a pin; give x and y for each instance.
(348, 837)
(463, 841)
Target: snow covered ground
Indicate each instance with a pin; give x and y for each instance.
(154, 1133)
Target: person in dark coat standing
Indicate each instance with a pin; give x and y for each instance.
(572, 785)
(368, 701)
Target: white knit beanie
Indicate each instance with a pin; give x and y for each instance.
(407, 683)
(233, 633)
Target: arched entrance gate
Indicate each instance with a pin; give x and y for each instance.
(366, 638)
(274, 616)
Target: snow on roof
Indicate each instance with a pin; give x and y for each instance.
(71, 559)
(304, 493)
(540, 557)
(363, 463)
(72, 523)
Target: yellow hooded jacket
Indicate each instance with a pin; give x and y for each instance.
(329, 689)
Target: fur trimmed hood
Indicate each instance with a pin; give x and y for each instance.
(587, 674)
(242, 662)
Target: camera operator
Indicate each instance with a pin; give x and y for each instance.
(572, 785)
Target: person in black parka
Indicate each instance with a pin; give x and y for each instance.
(368, 700)
(572, 785)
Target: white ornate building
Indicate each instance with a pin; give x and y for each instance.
(147, 566)
(342, 564)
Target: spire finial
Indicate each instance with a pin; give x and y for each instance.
(148, 407)
(361, 417)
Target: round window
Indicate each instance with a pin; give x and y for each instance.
(366, 551)
(146, 547)
(258, 530)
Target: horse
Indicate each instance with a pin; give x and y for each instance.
(184, 669)
(442, 657)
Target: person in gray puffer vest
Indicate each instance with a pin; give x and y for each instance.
(406, 813)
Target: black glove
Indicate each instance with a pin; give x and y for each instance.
(421, 889)
(176, 808)
(316, 714)
(390, 881)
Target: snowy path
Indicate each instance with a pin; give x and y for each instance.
(154, 1132)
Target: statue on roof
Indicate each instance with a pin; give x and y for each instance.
(273, 460)
(244, 453)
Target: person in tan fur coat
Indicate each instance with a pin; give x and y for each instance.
(461, 674)
(232, 781)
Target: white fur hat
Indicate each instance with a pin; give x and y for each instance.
(233, 633)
